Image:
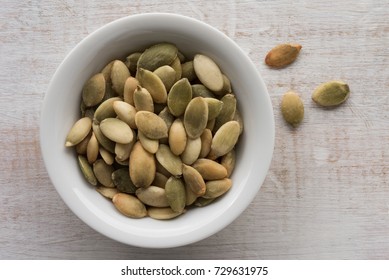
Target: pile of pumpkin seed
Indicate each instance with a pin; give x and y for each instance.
(157, 132)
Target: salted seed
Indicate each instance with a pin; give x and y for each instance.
(119, 75)
(175, 194)
(125, 112)
(214, 107)
(152, 126)
(107, 192)
(116, 130)
(103, 173)
(179, 97)
(188, 71)
(132, 61)
(78, 131)
(157, 55)
(193, 180)
(129, 205)
(121, 179)
(167, 75)
(105, 109)
(217, 188)
(106, 156)
(209, 169)
(150, 145)
(152, 196)
(177, 137)
(142, 166)
(228, 161)
(143, 100)
(192, 150)
(159, 180)
(129, 89)
(168, 160)
(224, 139)
(92, 149)
(87, 170)
(208, 72)
(94, 90)
(153, 84)
(196, 117)
(165, 213)
(206, 142)
(103, 141)
(176, 65)
(227, 112)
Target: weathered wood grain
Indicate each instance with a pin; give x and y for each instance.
(327, 192)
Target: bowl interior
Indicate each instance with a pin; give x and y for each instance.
(116, 40)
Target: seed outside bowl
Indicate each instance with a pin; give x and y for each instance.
(116, 40)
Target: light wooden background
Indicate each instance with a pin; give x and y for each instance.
(327, 192)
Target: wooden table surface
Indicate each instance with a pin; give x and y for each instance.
(326, 195)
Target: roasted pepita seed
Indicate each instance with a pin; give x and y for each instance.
(152, 196)
(214, 107)
(167, 75)
(188, 71)
(105, 109)
(179, 97)
(224, 139)
(151, 125)
(132, 61)
(119, 75)
(129, 89)
(226, 86)
(176, 194)
(209, 169)
(159, 180)
(106, 156)
(103, 173)
(157, 55)
(193, 180)
(227, 112)
(107, 192)
(142, 166)
(196, 117)
(202, 91)
(177, 137)
(201, 201)
(168, 160)
(106, 71)
(82, 146)
(87, 170)
(103, 141)
(122, 151)
(78, 131)
(228, 161)
(153, 84)
(129, 205)
(190, 196)
(125, 112)
(192, 150)
(208, 72)
(116, 130)
(94, 90)
(121, 179)
(143, 100)
(176, 65)
(206, 142)
(92, 149)
(150, 145)
(239, 119)
(165, 213)
(217, 188)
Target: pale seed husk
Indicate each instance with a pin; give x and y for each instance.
(196, 117)
(103, 173)
(228, 161)
(153, 84)
(106, 156)
(152, 196)
(175, 194)
(150, 145)
(119, 75)
(157, 55)
(129, 89)
(209, 169)
(125, 112)
(179, 97)
(116, 130)
(121, 179)
(107, 192)
(192, 151)
(202, 201)
(292, 108)
(129, 205)
(159, 180)
(122, 151)
(94, 90)
(87, 170)
(193, 180)
(176, 65)
(103, 141)
(282, 55)
(165, 213)
(227, 112)
(331, 93)
(151, 125)
(188, 71)
(142, 166)
(106, 71)
(132, 61)
(105, 109)
(168, 160)
(217, 188)
(224, 139)
(167, 75)
(143, 100)
(78, 131)
(202, 91)
(92, 149)
(206, 142)
(214, 107)
(177, 137)
(82, 146)
(208, 72)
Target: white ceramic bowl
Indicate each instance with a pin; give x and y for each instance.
(116, 40)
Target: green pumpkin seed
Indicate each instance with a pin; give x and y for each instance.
(121, 179)
(239, 119)
(217, 188)
(82, 146)
(152, 196)
(165, 213)
(208, 72)
(106, 71)
(103, 173)
(103, 141)
(168, 160)
(331, 93)
(175, 194)
(211, 124)
(177, 137)
(206, 142)
(196, 117)
(188, 71)
(122, 151)
(202, 91)
(119, 75)
(224, 139)
(179, 97)
(176, 65)
(92, 149)
(150, 145)
(129, 89)
(87, 170)
(125, 112)
(209, 169)
(167, 117)
(129, 205)
(106, 156)
(107, 192)
(132, 61)
(192, 150)
(201, 201)
(142, 166)
(167, 75)
(157, 55)
(193, 180)
(116, 130)
(159, 180)
(190, 196)
(78, 131)
(226, 86)
(227, 112)
(143, 100)
(228, 161)
(151, 125)
(105, 109)
(94, 90)
(214, 107)
(153, 84)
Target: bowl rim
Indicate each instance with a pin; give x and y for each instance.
(174, 241)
